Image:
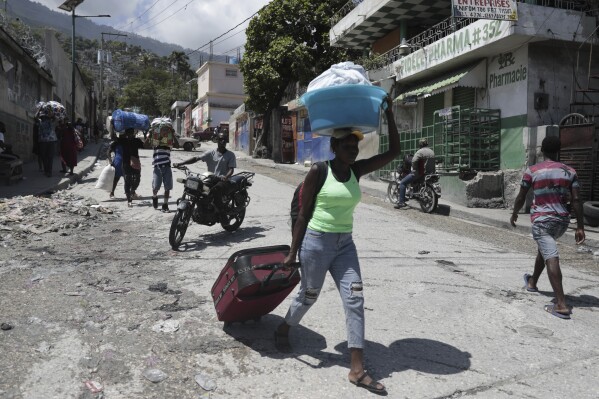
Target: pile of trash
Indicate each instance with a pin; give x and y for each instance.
(21, 216)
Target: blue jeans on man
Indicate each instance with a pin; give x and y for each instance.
(410, 177)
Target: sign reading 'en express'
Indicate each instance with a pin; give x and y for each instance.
(485, 9)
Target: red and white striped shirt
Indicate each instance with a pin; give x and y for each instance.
(552, 183)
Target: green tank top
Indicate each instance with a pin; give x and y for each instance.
(335, 204)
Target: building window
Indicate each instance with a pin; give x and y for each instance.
(231, 72)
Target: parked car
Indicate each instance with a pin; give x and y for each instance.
(206, 134)
(187, 143)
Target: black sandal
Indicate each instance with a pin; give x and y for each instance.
(372, 387)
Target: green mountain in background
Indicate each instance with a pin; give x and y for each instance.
(37, 15)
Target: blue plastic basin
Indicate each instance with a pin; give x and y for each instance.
(344, 106)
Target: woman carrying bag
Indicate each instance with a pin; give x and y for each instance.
(324, 241)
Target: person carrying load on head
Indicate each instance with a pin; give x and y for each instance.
(322, 237)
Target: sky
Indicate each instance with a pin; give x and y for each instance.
(193, 22)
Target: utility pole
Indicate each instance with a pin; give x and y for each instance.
(102, 71)
(70, 5)
(190, 89)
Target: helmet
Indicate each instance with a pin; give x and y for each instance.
(423, 143)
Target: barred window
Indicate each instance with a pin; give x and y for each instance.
(231, 72)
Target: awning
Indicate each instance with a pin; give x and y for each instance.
(472, 76)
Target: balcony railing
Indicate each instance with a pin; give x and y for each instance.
(346, 9)
(293, 91)
(447, 27)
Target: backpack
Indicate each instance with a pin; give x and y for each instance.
(296, 201)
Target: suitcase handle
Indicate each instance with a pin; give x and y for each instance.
(275, 267)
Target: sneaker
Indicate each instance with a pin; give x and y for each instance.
(155, 202)
(399, 205)
(111, 195)
(130, 204)
(165, 208)
(135, 196)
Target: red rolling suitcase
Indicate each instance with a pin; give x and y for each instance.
(253, 284)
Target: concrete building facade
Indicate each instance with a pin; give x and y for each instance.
(23, 82)
(220, 93)
(59, 64)
(485, 92)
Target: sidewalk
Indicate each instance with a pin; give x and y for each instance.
(35, 183)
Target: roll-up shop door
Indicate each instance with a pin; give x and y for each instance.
(432, 104)
(464, 97)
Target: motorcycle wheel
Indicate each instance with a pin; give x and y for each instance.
(393, 192)
(428, 199)
(179, 227)
(234, 221)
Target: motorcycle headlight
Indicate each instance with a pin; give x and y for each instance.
(192, 184)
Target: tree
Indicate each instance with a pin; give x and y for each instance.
(288, 41)
(154, 90)
(143, 91)
(180, 61)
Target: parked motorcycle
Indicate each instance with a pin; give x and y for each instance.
(426, 190)
(197, 203)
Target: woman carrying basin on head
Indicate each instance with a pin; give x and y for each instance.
(324, 241)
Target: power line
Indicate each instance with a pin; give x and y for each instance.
(227, 38)
(140, 15)
(161, 21)
(218, 37)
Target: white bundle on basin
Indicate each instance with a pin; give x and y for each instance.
(344, 73)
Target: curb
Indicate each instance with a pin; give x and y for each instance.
(568, 237)
(76, 177)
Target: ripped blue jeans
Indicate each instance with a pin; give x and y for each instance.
(335, 253)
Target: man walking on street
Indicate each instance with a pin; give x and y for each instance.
(162, 174)
(553, 184)
(423, 163)
(47, 140)
(131, 164)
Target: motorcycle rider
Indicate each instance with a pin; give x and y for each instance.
(423, 163)
(222, 163)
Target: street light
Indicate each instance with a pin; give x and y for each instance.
(70, 5)
(102, 71)
(404, 47)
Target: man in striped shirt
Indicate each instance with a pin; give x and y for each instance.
(162, 174)
(553, 184)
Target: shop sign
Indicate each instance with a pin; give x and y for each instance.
(485, 9)
(470, 38)
(508, 71)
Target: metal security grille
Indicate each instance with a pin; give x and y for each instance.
(579, 150)
(431, 104)
(462, 139)
(471, 139)
(463, 97)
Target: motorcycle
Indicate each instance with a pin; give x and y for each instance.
(197, 203)
(426, 190)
